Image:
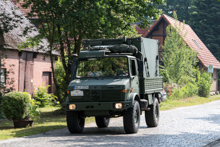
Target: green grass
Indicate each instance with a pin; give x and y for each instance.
(53, 118)
(172, 104)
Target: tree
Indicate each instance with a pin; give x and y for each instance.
(66, 22)
(182, 8)
(178, 59)
(205, 21)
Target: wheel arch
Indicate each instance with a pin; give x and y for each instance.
(135, 97)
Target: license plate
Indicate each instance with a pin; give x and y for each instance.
(82, 87)
(77, 93)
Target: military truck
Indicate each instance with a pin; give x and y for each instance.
(113, 78)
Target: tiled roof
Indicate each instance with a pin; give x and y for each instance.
(193, 41)
(141, 31)
(18, 4)
(14, 37)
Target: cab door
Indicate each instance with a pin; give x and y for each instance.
(134, 75)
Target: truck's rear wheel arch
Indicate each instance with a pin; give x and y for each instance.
(151, 98)
(157, 97)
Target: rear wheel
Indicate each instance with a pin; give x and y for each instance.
(152, 116)
(131, 118)
(75, 122)
(101, 121)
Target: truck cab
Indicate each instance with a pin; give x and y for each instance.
(111, 78)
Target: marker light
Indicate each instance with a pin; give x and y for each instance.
(118, 105)
(124, 90)
(68, 92)
(72, 106)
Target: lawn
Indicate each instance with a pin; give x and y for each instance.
(172, 104)
(53, 118)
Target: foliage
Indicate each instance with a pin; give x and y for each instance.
(18, 106)
(181, 7)
(179, 65)
(42, 97)
(1, 115)
(204, 83)
(178, 59)
(60, 76)
(169, 89)
(205, 21)
(34, 113)
(188, 90)
(66, 22)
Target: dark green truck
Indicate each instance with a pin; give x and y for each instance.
(113, 78)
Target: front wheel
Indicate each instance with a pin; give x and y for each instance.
(102, 122)
(75, 122)
(152, 116)
(131, 118)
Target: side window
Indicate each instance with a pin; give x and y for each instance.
(132, 67)
(3, 75)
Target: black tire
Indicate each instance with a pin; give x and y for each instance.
(75, 122)
(131, 119)
(102, 122)
(152, 116)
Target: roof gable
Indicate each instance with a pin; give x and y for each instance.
(191, 39)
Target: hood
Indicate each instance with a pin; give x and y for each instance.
(99, 83)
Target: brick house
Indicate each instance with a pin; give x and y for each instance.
(29, 67)
(206, 58)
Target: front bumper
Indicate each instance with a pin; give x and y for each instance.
(99, 106)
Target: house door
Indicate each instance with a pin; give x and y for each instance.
(47, 80)
(26, 63)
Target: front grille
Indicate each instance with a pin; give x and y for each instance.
(95, 95)
(99, 95)
(111, 94)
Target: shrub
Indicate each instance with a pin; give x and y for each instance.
(191, 89)
(42, 97)
(1, 115)
(204, 84)
(188, 90)
(177, 94)
(169, 89)
(15, 105)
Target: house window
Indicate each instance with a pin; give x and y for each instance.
(3, 75)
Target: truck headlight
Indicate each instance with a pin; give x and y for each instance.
(118, 105)
(72, 106)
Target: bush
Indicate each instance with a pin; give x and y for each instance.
(42, 97)
(204, 84)
(169, 89)
(190, 89)
(1, 115)
(15, 105)
(185, 91)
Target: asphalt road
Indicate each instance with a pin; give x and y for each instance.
(193, 126)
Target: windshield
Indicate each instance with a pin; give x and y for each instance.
(102, 67)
